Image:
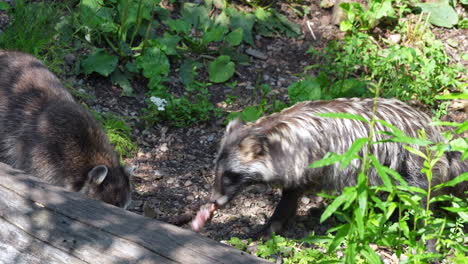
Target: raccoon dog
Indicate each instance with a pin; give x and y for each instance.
(45, 133)
(279, 148)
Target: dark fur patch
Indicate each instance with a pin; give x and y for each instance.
(44, 132)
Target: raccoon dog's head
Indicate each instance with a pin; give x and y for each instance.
(242, 159)
(110, 185)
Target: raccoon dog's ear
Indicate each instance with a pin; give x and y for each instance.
(234, 125)
(98, 174)
(252, 147)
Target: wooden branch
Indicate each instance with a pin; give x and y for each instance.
(41, 223)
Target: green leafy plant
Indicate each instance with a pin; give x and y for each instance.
(31, 30)
(367, 216)
(416, 68)
(265, 106)
(366, 18)
(118, 132)
(123, 27)
(441, 13)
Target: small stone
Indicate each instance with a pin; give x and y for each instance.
(170, 181)
(255, 53)
(210, 138)
(190, 198)
(70, 58)
(394, 38)
(207, 186)
(261, 204)
(327, 3)
(163, 147)
(305, 200)
(452, 42)
(158, 175)
(188, 183)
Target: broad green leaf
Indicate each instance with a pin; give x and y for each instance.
(214, 34)
(347, 195)
(179, 26)
(153, 62)
(101, 62)
(235, 37)
(343, 116)
(351, 199)
(251, 113)
(404, 227)
(121, 79)
(221, 69)
(328, 159)
(350, 253)
(442, 13)
(239, 19)
(370, 255)
(463, 127)
(346, 25)
(389, 210)
(351, 87)
(292, 30)
(416, 152)
(395, 175)
(262, 14)
(452, 96)
(359, 218)
(304, 91)
(362, 201)
(170, 43)
(197, 15)
(4, 6)
(444, 123)
(188, 71)
(456, 209)
(339, 237)
(381, 172)
(352, 152)
(461, 178)
(459, 144)
(441, 198)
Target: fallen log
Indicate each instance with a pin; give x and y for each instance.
(41, 223)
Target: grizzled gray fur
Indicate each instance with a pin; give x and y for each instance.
(279, 148)
(45, 133)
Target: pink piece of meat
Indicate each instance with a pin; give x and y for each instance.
(204, 214)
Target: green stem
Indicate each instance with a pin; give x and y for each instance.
(123, 19)
(113, 47)
(139, 19)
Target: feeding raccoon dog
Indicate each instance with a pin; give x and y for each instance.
(279, 148)
(45, 133)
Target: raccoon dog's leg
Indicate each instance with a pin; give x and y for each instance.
(284, 211)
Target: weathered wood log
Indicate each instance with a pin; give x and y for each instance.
(41, 223)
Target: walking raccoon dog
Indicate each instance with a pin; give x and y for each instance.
(45, 133)
(279, 148)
